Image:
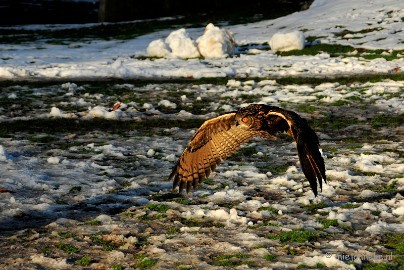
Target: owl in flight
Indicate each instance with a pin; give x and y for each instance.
(221, 136)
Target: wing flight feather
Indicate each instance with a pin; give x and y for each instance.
(213, 142)
(307, 145)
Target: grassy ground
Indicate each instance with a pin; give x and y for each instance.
(157, 234)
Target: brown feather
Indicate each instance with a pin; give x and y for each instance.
(221, 136)
(213, 142)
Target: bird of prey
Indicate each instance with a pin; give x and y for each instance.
(221, 136)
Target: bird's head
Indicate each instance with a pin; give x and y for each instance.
(250, 117)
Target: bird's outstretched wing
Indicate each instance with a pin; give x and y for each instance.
(213, 142)
(307, 142)
(221, 136)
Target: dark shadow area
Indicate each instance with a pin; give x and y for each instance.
(109, 204)
(124, 10)
(15, 12)
(47, 11)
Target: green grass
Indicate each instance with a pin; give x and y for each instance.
(209, 182)
(383, 120)
(42, 139)
(350, 205)
(270, 209)
(278, 169)
(336, 50)
(161, 208)
(396, 243)
(247, 151)
(316, 266)
(173, 230)
(300, 236)
(97, 239)
(312, 208)
(363, 31)
(201, 223)
(392, 187)
(70, 249)
(306, 108)
(144, 262)
(93, 222)
(118, 267)
(340, 102)
(328, 222)
(84, 261)
(270, 257)
(333, 49)
(332, 122)
(75, 189)
(380, 266)
(66, 235)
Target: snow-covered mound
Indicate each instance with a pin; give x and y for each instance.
(216, 42)
(181, 45)
(177, 45)
(158, 48)
(287, 41)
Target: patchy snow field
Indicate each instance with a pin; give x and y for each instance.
(85, 187)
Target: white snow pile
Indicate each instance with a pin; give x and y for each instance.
(332, 261)
(226, 196)
(167, 104)
(214, 43)
(381, 227)
(92, 112)
(49, 262)
(177, 45)
(230, 218)
(3, 153)
(287, 41)
(158, 48)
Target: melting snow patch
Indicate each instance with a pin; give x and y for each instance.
(104, 219)
(101, 112)
(324, 259)
(158, 48)
(228, 195)
(287, 41)
(69, 86)
(216, 42)
(368, 194)
(230, 218)
(49, 262)
(181, 45)
(56, 112)
(399, 211)
(167, 104)
(3, 154)
(53, 160)
(381, 227)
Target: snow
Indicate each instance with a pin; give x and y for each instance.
(178, 44)
(49, 262)
(381, 227)
(115, 59)
(107, 171)
(287, 41)
(230, 218)
(158, 48)
(216, 42)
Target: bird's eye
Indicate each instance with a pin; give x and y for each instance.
(244, 119)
